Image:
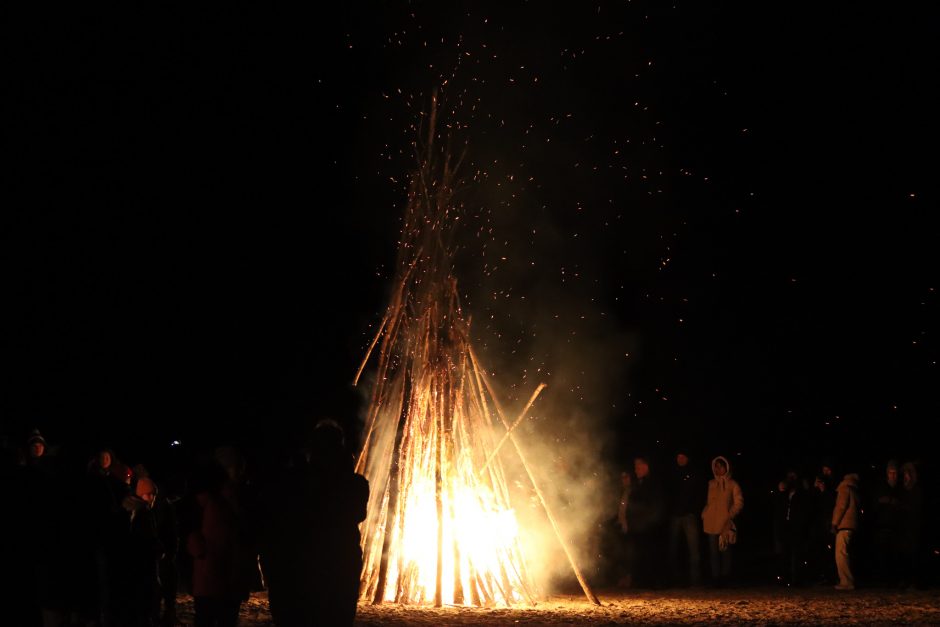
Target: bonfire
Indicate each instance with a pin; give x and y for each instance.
(441, 528)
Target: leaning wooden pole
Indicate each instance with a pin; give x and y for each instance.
(505, 437)
(365, 359)
(564, 545)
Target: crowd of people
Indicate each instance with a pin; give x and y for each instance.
(816, 527)
(93, 541)
(90, 540)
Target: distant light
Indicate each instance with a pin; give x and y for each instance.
(175, 443)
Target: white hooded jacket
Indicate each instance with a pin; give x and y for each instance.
(725, 501)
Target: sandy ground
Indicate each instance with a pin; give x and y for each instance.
(748, 606)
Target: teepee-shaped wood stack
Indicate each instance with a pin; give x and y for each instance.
(440, 527)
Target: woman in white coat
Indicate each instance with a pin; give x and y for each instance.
(724, 503)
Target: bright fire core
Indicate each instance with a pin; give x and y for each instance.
(479, 536)
(441, 528)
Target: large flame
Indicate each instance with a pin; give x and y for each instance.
(450, 530)
(440, 527)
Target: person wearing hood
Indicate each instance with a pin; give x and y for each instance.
(845, 518)
(725, 501)
(37, 446)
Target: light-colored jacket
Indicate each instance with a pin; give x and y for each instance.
(845, 513)
(725, 501)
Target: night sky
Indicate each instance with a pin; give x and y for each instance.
(712, 221)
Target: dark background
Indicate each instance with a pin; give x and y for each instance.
(735, 201)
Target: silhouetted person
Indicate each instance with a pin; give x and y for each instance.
(57, 536)
(168, 538)
(289, 539)
(140, 556)
(645, 516)
(310, 543)
(621, 543)
(686, 498)
(791, 526)
(821, 543)
(105, 491)
(343, 496)
(216, 545)
(50, 529)
(886, 525)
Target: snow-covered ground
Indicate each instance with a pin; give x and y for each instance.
(756, 606)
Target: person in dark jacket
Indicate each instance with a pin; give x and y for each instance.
(886, 526)
(310, 543)
(140, 555)
(105, 492)
(791, 526)
(645, 518)
(287, 546)
(216, 544)
(343, 496)
(686, 499)
(621, 544)
(821, 558)
(168, 537)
